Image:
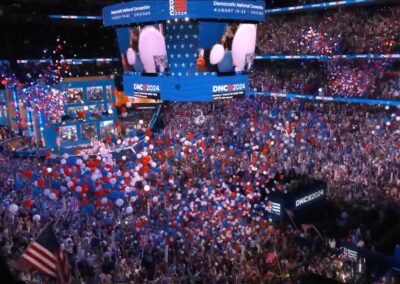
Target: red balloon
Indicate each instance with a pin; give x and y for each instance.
(40, 182)
(27, 203)
(139, 224)
(47, 153)
(27, 174)
(98, 203)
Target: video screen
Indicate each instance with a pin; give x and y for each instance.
(75, 96)
(96, 111)
(233, 51)
(106, 127)
(76, 113)
(109, 95)
(95, 94)
(143, 48)
(68, 133)
(89, 130)
(110, 110)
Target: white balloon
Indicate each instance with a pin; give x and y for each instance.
(146, 187)
(104, 200)
(129, 209)
(131, 56)
(63, 161)
(217, 54)
(128, 104)
(243, 43)
(36, 218)
(151, 43)
(13, 208)
(119, 202)
(133, 198)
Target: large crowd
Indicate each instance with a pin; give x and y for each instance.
(188, 203)
(342, 31)
(375, 79)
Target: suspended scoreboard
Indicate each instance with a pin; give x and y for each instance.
(186, 50)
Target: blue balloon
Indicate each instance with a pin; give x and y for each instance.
(88, 208)
(71, 160)
(18, 184)
(36, 191)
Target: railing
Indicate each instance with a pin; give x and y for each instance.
(328, 99)
(328, 57)
(324, 5)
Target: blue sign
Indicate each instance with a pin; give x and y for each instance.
(202, 87)
(323, 5)
(154, 11)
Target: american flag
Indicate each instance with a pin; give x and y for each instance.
(180, 5)
(45, 255)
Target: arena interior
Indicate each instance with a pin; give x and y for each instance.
(199, 141)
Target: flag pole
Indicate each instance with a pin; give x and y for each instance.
(277, 257)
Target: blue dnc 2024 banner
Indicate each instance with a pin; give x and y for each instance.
(200, 88)
(152, 11)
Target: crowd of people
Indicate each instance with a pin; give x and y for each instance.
(190, 202)
(5, 133)
(375, 79)
(342, 31)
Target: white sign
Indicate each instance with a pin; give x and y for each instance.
(229, 88)
(309, 198)
(146, 88)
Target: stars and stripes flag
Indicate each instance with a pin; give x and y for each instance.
(45, 255)
(180, 5)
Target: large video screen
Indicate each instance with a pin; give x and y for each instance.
(143, 48)
(75, 96)
(106, 127)
(89, 130)
(109, 94)
(96, 111)
(232, 50)
(76, 113)
(94, 94)
(68, 133)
